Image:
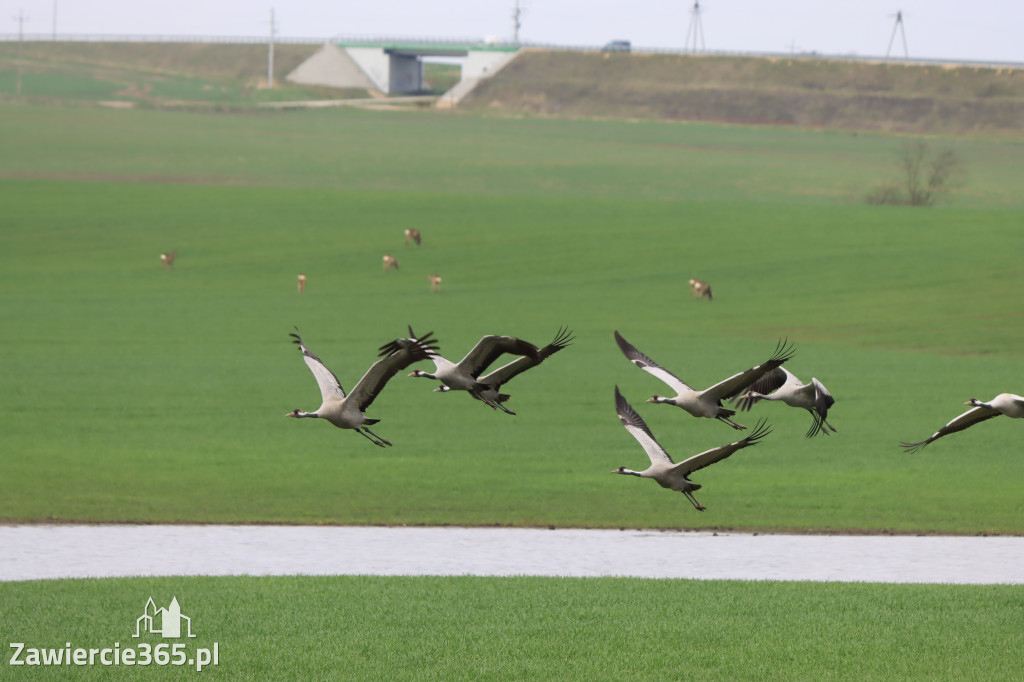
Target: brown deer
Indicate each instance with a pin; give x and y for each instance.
(435, 283)
(389, 261)
(167, 259)
(413, 234)
(700, 288)
(302, 283)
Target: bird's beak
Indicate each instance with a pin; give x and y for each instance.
(290, 414)
(439, 389)
(411, 374)
(650, 400)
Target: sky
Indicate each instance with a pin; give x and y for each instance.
(978, 30)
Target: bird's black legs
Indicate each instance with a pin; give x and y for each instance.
(723, 418)
(819, 425)
(372, 437)
(697, 505)
(493, 405)
(503, 408)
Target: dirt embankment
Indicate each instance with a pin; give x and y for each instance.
(797, 91)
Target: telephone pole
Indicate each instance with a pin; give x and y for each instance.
(696, 28)
(898, 26)
(21, 21)
(517, 23)
(270, 55)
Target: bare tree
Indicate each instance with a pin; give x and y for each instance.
(927, 177)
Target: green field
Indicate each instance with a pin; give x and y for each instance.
(143, 395)
(137, 394)
(530, 628)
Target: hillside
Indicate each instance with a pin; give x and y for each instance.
(154, 74)
(237, 63)
(798, 91)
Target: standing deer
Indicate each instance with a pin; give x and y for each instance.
(167, 259)
(413, 234)
(435, 283)
(302, 283)
(699, 288)
(390, 262)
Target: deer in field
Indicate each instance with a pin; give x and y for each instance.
(435, 283)
(302, 283)
(167, 259)
(413, 234)
(699, 288)
(389, 261)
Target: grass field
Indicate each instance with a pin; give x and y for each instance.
(136, 394)
(532, 628)
(133, 393)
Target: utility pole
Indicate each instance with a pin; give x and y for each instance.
(517, 22)
(270, 55)
(898, 25)
(21, 22)
(696, 29)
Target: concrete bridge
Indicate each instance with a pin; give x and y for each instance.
(397, 68)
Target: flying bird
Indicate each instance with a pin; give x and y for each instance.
(706, 403)
(1006, 404)
(346, 410)
(781, 384)
(666, 472)
(494, 380)
(463, 375)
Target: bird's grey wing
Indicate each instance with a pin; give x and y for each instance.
(636, 426)
(407, 351)
(490, 348)
(519, 365)
(965, 420)
(709, 457)
(329, 385)
(822, 398)
(738, 383)
(650, 366)
(768, 383)
(427, 341)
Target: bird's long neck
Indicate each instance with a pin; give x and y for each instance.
(624, 470)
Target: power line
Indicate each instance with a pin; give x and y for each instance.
(898, 25)
(21, 22)
(517, 22)
(270, 54)
(695, 30)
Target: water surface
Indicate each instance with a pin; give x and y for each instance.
(35, 552)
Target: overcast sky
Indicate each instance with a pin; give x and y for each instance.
(979, 30)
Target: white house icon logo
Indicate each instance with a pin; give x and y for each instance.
(165, 622)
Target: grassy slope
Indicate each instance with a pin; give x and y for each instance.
(531, 628)
(137, 394)
(805, 92)
(156, 74)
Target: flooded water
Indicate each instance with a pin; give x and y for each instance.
(35, 552)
